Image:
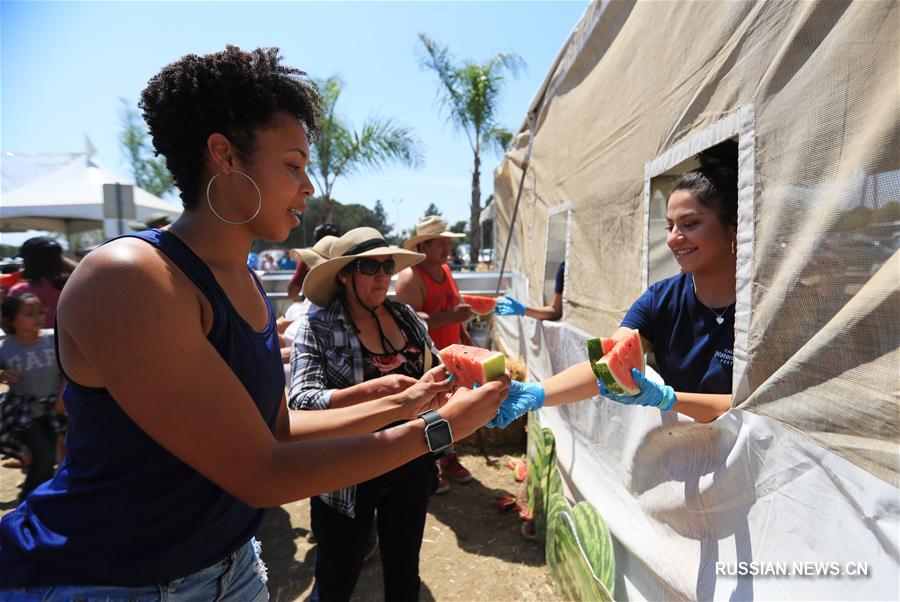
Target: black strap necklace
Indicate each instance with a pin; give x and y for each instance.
(385, 342)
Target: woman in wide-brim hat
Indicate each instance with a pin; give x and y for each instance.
(316, 254)
(357, 346)
(308, 258)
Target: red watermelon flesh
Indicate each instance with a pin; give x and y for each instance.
(469, 365)
(607, 344)
(614, 368)
(480, 304)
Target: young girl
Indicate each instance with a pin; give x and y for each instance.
(29, 414)
(44, 273)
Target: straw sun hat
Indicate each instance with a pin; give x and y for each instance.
(320, 285)
(428, 228)
(316, 254)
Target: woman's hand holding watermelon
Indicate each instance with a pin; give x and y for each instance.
(428, 393)
(652, 394)
(523, 397)
(469, 409)
(389, 384)
(508, 306)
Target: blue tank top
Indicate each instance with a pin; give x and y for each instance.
(121, 510)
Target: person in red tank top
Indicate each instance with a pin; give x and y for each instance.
(429, 288)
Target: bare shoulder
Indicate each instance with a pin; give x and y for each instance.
(409, 288)
(125, 278)
(123, 267)
(408, 278)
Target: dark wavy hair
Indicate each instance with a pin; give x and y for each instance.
(10, 307)
(714, 183)
(232, 92)
(43, 260)
(325, 229)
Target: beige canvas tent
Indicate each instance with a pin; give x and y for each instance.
(805, 468)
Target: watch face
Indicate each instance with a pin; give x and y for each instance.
(439, 435)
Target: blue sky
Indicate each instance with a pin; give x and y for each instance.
(64, 66)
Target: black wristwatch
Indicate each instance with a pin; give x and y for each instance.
(437, 432)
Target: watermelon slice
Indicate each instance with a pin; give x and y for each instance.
(481, 305)
(597, 348)
(617, 360)
(469, 365)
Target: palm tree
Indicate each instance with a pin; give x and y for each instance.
(470, 93)
(339, 151)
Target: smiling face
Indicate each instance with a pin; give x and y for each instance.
(697, 237)
(278, 166)
(30, 318)
(372, 290)
(436, 250)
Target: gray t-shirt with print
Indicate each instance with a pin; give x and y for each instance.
(35, 363)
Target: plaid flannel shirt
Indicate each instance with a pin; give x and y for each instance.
(327, 355)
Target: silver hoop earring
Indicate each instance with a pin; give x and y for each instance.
(216, 213)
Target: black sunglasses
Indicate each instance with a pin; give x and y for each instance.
(370, 267)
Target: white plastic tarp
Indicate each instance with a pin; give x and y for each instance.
(690, 505)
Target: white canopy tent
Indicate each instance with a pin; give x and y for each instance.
(70, 199)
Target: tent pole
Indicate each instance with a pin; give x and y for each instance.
(525, 162)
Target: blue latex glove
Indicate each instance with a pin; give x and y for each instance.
(523, 397)
(652, 394)
(508, 306)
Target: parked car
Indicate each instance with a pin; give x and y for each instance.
(484, 255)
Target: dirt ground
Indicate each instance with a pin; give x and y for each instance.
(470, 551)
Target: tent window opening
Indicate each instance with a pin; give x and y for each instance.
(557, 245)
(661, 263)
(660, 176)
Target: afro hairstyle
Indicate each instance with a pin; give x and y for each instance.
(232, 92)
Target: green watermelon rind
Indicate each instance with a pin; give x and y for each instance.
(495, 367)
(594, 349)
(569, 565)
(578, 545)
(603, 372)
(595, 541)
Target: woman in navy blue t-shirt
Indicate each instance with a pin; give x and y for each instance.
(687, 320)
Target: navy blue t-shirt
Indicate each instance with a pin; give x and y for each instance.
(693, 352)
(560, 278)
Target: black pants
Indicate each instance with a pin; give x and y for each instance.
(40, 439)
(401, 499)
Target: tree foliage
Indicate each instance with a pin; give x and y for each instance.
(469, 94)
(150, 172)
(340, 151)
(459, 227)
(345, 217)
(432, 210)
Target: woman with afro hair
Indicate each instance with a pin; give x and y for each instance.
(179, 432)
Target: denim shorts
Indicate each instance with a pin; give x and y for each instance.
(241, 577)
